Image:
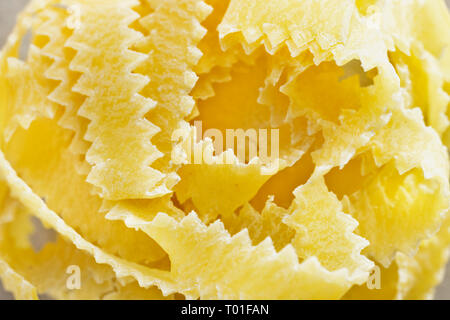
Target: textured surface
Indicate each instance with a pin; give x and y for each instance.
(8, 8)
(8, 11)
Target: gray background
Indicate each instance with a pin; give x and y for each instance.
(8, 11)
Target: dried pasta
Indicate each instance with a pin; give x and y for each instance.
(225, 149)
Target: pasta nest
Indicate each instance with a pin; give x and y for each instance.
(114, 116)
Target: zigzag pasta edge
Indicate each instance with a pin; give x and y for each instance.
(20, 191)
(341, 277)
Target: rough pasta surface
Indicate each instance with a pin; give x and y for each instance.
(225, 149)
